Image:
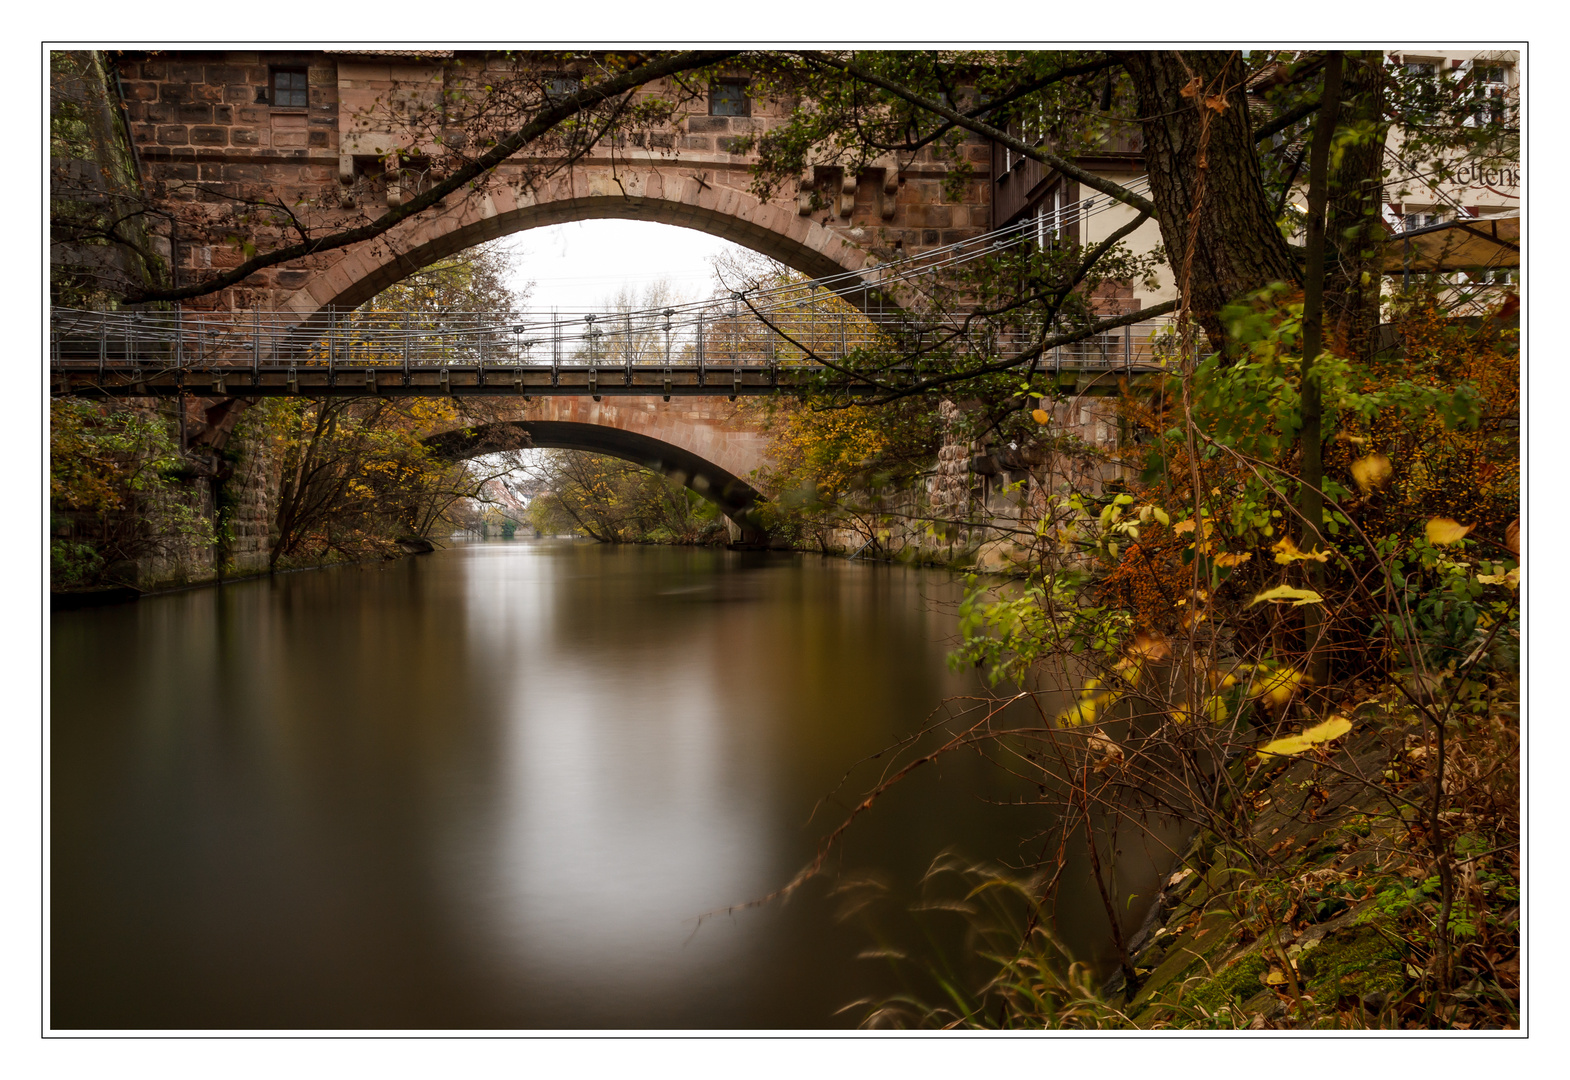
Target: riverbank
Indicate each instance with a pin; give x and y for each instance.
(73, 599)
(1323, 908)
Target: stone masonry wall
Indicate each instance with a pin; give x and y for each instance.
(209, 137)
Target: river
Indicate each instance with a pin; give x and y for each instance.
(496, 787)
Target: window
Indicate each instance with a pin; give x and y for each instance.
(289, 88)
(1422, 89)
(1490, 84)
(561, 84)
(1419, 221)
(1050, 219)
(729, 98)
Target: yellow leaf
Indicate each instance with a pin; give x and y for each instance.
(1275, 978)
(1040, 416)
(1292, 744)
(1512, 579)
(1287, 552)
(1183, 527)
(1281, 594)
(1091, 702)
(1371, 472)
(1333, 728)
(1227, 558)
(1277, 687)
(1444, 531)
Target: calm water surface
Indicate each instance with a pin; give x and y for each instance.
(493, 787)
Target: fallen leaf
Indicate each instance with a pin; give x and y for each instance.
(1444, 531)
(1292, 744)
(1371, 472)
(1179, 876)
(1183, 527)
(1281, 594)
(1333, 728)
(1275, 978)
(1227, 558)
(1513, 536)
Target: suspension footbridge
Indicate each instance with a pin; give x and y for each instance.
(867, 331)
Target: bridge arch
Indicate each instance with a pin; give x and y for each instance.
(709, 447)
(668, 195)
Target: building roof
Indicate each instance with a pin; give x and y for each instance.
(430, 54)
(1457, 245)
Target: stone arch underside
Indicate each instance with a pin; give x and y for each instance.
(770, 228)
(735, 497)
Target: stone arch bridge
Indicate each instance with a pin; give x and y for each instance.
(323, 131)
(315, 129)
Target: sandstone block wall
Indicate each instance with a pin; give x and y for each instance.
(209, 138)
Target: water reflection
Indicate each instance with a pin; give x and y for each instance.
(493, 787)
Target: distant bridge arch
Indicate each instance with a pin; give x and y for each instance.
(710, 446)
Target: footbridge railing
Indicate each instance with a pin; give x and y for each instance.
(753, 338)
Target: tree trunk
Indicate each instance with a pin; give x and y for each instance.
(1354, 228)
(1237, 246)
(1311, 500)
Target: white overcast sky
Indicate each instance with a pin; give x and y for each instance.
(580, 265)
